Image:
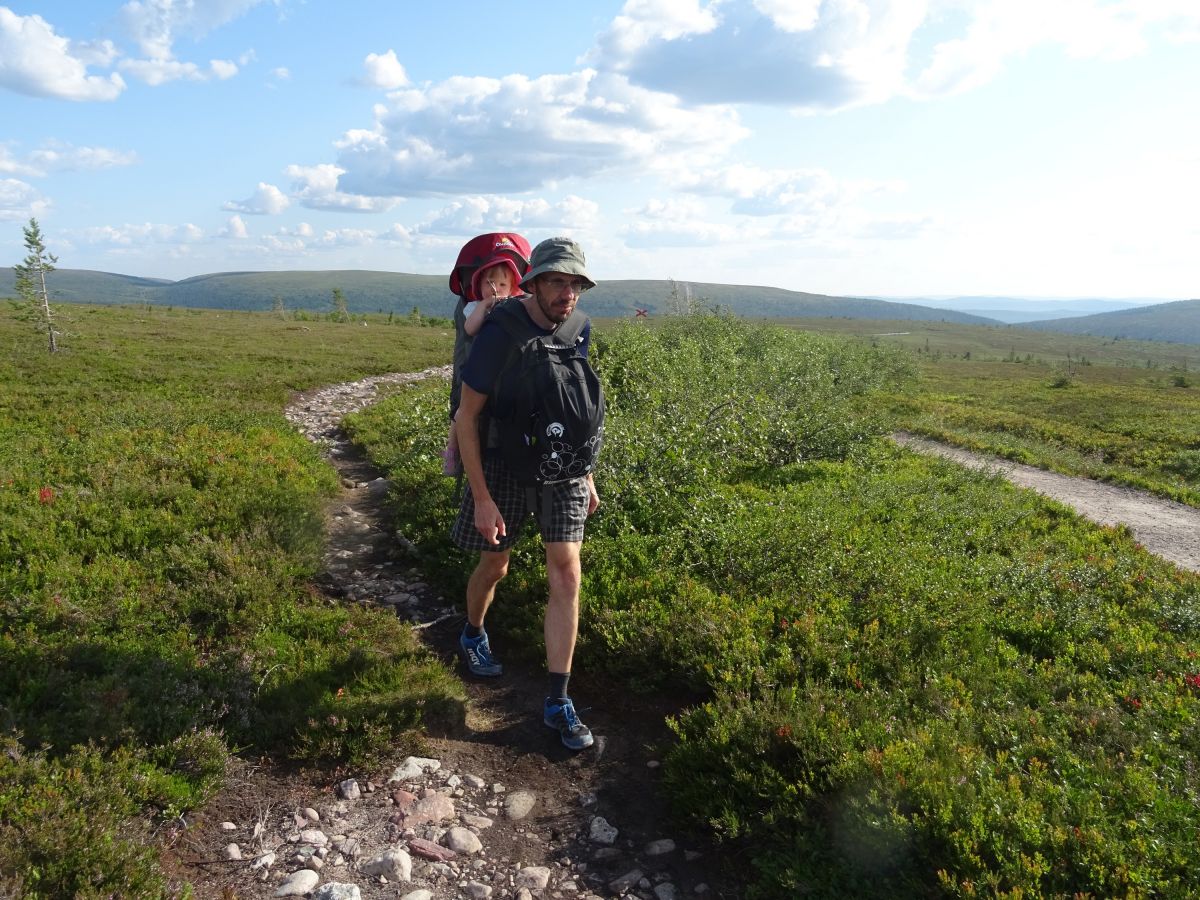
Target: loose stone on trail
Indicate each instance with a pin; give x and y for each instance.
(518, 805)
(298, 883)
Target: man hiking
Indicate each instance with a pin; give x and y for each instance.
(497, 500)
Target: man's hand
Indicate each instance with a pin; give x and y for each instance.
(488, 521)
(593, 497)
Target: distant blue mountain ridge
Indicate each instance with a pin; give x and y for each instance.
(398, 292)
(1012, 310)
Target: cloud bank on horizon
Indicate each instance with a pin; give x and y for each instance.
(894, 147)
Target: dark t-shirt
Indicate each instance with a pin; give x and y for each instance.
(490, 349)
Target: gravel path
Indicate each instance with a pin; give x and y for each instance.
(1169, 529)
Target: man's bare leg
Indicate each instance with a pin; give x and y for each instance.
(562, 610)
(481, 586)
(481, 590)
(561, 628)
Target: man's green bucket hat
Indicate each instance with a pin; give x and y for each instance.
(557, 254)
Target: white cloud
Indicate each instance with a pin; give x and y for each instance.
(763, 192)
(384, 71)
(801, 53)
(396, 234)
(222, 69)
(95, 53)
(673, 209)
(267, 200)
(643, 22)
(56, 157)
(475, 214)
(37, 62)
(19, 200)
(10, 165)
(234, 228)
(998, 30)
(791, 15)
(334, 238)
(513, 134)
(155, 24)
(304, 238)
(894, 228)
(832, 54)
(572, 213)
(160, 71)
(316, 187)
(281, 73)
(130, 235)
(677, 222)
(760, 192)
(289, 240)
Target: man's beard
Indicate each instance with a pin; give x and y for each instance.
(556, 313)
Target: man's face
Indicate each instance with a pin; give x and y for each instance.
(557, 293)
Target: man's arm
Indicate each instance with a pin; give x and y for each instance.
(488, 520)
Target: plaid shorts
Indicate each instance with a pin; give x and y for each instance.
(562, 509)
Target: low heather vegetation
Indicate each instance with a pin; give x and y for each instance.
(913, 680)
(1122, 411)
(159, 524)
(919, 681)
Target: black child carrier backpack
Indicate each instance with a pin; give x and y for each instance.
(547, 413)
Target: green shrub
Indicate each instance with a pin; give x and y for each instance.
(68, 825)
(700, 398)
(920, 681)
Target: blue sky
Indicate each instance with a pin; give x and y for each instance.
(882, 147)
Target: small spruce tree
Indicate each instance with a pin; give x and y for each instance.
(32, 296)
(341, 312)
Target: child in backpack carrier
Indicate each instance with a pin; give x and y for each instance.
(489, 269)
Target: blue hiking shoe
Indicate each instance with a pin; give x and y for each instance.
(477, 654)
(561, 716)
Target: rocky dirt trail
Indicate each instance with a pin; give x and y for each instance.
(1170, 530)
(502, 810)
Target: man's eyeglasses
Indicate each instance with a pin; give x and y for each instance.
(558, 284)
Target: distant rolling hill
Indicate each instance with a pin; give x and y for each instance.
(86, 286)
(1178, 322)
(1012, 310)
(368, 291)
(620, 298)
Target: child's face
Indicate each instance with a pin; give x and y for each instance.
(496, 282)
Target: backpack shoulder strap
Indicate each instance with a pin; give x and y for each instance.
(569, 332)
(515, 322)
